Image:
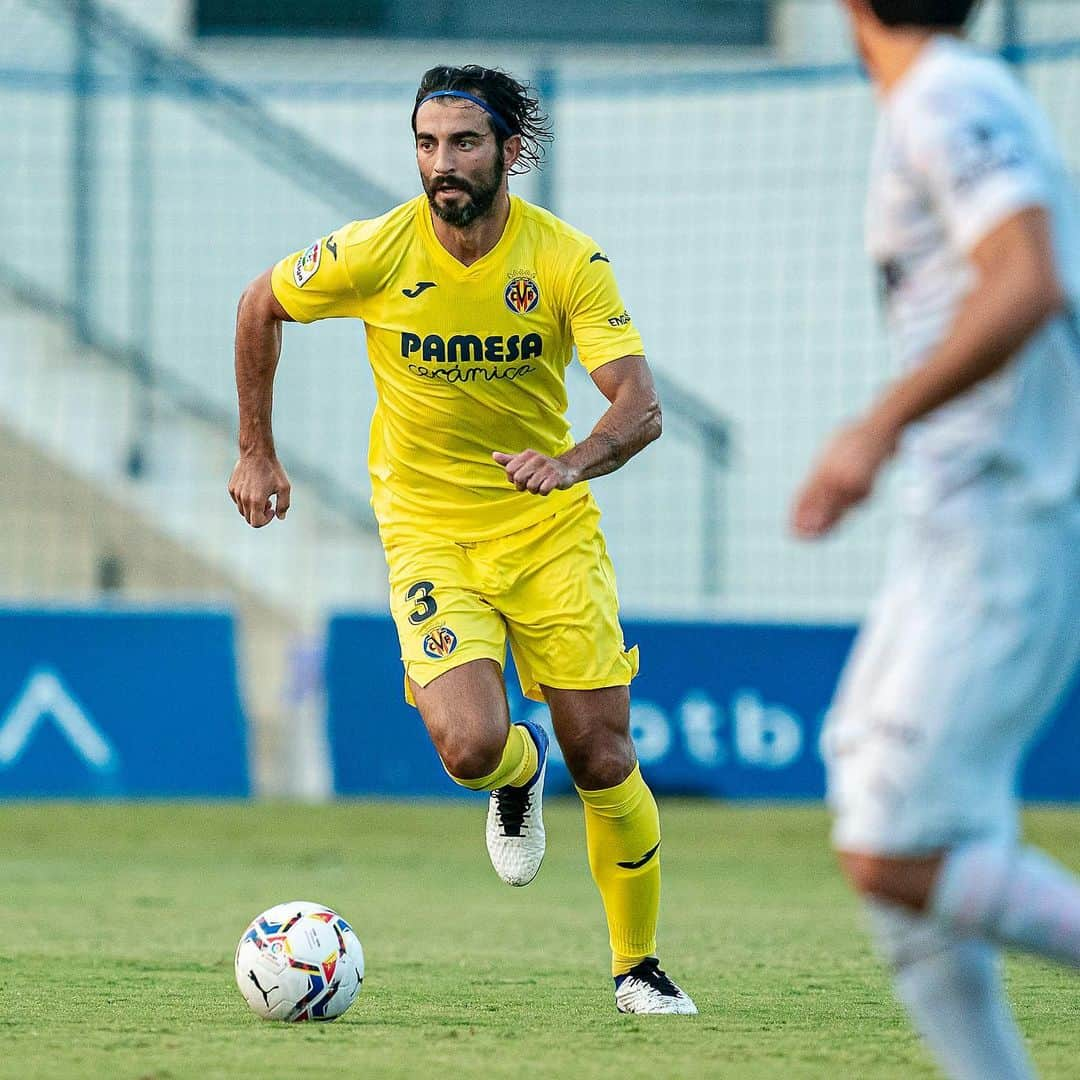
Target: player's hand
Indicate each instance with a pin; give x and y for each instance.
(536, 472)
(256, 478)
(843, 477)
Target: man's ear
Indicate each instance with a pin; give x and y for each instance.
(511, 151)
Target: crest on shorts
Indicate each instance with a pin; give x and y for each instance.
(307, 264)
(522, 295)
(440, 642)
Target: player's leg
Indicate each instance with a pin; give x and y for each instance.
(939, 921)
(562, 615)
(452, 645)
(950, 680)
(949, 982)
(1006, 892)
(622, 833)
(622, 823)
(951, 987)
(466, 715)
(991, 699)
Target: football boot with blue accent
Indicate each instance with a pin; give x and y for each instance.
(515, 820)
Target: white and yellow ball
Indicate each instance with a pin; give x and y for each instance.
(299, 961)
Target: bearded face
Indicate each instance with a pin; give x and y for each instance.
(459, 200)
(462, 164)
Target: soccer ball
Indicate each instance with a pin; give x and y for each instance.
(299, 961)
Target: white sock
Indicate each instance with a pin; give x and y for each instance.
(951, 987)
(1012, 895)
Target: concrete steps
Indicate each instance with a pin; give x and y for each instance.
(75, 526)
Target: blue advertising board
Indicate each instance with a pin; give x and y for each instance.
(730, 710)
(119, 703)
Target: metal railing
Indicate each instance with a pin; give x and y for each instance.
(104, 41)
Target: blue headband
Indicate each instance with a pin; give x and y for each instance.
(496, 119)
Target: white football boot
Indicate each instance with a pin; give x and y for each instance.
(646, 989)
(515, 821)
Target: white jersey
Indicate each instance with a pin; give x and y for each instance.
(961, 147)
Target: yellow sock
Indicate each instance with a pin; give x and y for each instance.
(519, 760)
(622, 832)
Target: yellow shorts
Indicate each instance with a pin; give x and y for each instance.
(549, 589)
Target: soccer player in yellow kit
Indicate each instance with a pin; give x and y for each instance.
(472, 301)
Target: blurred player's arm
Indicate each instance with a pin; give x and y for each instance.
(258, 476)
(1017, 291)
(629, 424)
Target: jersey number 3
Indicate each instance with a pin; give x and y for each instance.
(422, 594)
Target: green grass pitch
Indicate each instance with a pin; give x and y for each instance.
(119, 924)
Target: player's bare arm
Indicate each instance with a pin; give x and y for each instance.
(259, 486)
(632, 421)
(1018, 290)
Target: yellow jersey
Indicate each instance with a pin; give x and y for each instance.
(466, 359)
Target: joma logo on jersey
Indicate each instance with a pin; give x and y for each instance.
(463, 348)
(522, 295)
(440, 642)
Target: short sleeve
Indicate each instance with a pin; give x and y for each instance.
(315, 283)
(979, 155)
(599, 322)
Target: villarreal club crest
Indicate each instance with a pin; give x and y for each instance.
(522, 295)
(440, 642)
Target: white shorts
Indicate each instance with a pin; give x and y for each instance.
(970, 644)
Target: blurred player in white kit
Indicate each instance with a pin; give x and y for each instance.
(976, 230)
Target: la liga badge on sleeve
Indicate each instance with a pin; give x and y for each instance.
(307, 264)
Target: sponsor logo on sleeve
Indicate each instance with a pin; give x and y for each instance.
(890, 276)
(307, 265)
(981, 148)
(599, 257)
(620, 320)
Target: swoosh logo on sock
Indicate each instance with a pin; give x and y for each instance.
(639, 863)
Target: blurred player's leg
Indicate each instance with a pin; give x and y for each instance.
(945, 967)
(922, 760)
(951, 987)
(1013, 895)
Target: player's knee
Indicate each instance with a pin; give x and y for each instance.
(470, 758)
(899, 881)
(595, 768)
(869, 875)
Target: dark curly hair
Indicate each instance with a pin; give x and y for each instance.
(943, 13)
(512, 100)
